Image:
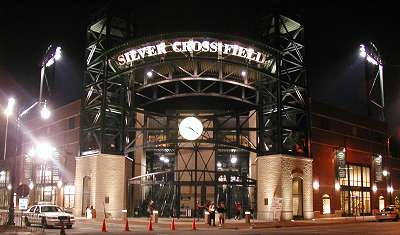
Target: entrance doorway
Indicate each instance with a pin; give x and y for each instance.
(326, 204)
(86, 193)
(381, 203)
(297, 195)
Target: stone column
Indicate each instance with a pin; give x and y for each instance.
(108, 188)
(275, 175)
(140, 161)
(252, 156)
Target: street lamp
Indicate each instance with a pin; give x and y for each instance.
(8, 111)
(51, 56)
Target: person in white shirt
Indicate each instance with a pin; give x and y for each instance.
(88, 213)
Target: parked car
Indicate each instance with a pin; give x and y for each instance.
(46, 215)
(388, 213)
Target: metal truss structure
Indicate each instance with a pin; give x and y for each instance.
(244, 106)
(283, 104)
(374, 82)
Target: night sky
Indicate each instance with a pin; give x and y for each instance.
(333, 35)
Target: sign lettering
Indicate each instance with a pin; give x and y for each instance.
(192, 46)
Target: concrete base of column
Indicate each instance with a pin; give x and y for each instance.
(108, 184)
(275, 174)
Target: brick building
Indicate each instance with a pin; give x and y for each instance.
(368, 178)
(49, 179)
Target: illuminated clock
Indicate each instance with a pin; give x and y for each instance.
(190, 128)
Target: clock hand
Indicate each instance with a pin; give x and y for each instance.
(192, 130)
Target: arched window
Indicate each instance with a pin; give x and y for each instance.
(381, 203)
(326, 204)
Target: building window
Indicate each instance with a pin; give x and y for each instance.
(71, 123)
(381, 203)
(326, 204)
(355, 195)
(69, 194)
(4, 181)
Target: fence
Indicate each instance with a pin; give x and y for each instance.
(18, 221)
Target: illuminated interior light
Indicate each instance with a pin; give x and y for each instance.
(337, 186)
(316, 185)
(374, 188)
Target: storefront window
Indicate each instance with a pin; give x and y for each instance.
(69, 194)
(355, 196)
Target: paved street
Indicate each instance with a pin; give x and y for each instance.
(365, 228)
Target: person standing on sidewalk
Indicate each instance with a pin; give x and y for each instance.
(88, 213)
(221, 214)
(212, 213)
(238, 209)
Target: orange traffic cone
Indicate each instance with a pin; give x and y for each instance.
(150, 226)
(62, 231)
(173, 224)
(194, 224)
(103, 227)
(126, 225)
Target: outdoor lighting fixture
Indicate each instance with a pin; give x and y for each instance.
(233, 159)
(10, 107)
(31, 185)
(316, 185)
(9, 187)
(190, 128)
(363, 53)
(337, 186)
(219, 165)
(32, 152)
(45, 112)
(374, 188)
(164, 159)
(149, 74)
(243, 73)
(390, 189)
(385, 173)
(45, 150)
(55, 57)
(59, 184)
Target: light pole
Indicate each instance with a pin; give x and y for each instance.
(372, 56)
(52, 54)
(8, 111)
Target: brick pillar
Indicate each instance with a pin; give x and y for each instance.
(274, 181)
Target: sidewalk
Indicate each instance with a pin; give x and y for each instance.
(235, 224)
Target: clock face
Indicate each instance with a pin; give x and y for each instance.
(190, 128)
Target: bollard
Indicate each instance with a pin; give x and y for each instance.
(247, 216)
(155, 215)
(206, 217)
